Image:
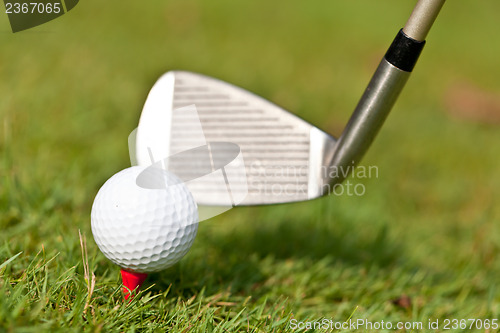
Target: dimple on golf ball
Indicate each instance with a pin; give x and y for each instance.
(144, 219)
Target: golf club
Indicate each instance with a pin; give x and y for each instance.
(285, 158)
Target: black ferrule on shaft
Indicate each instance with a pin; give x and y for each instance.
(404, 52)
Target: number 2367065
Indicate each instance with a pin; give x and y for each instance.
(33, 7)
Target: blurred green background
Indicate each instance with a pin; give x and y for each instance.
(421, 243)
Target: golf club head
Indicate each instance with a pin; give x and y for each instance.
(197, 125)
(232, 147)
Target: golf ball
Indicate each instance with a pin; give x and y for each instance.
(144, 219)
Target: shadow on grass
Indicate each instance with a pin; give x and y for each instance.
(235, 256)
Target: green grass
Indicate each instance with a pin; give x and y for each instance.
(428, 227)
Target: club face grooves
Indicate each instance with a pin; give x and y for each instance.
(276, 145)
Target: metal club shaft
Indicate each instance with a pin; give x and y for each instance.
(384, 88)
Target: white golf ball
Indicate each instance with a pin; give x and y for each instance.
(144, 219)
